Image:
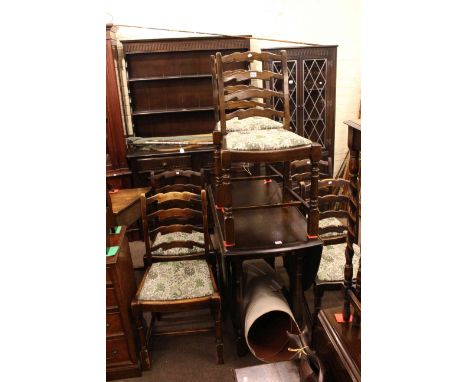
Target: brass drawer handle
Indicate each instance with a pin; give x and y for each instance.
(107, 325)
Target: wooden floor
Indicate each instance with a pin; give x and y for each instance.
(193, 357)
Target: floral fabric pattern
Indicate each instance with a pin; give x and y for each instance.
(264, 140)
(195, 236)
(333, 262)
(328, 222)
(250, 123)
(176, 280)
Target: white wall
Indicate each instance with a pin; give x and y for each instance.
(334, 22)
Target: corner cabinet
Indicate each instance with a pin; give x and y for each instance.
(312, 92)
(171, 95)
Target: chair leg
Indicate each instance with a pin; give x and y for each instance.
(318, 294)
(227, 199)
(216, 311)
(348, 279)
(218, 176)
(142, 331)
(286, 181)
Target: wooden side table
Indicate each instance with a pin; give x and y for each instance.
(126, 208)
(126, 205)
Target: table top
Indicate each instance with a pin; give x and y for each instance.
(346, 335)
(356, 123)
(126, 197)
(263, 231)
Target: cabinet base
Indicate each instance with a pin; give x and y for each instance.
(123, 372)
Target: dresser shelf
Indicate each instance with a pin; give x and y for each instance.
(171, 94)
(176, 110)
(159, 78)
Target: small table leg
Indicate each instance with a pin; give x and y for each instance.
(296, 286)
(237, 294)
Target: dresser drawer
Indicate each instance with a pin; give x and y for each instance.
(111, 298)
(114, 324)
(163, 163)
(117, 351)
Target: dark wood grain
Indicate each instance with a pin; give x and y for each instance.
(121, 348)
(126, 208)
(338, 346)
(170, 90)
(116, 166)
(250, 56)
(244, 104)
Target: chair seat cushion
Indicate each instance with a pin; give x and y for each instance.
(330, 222)
(195, 236)
(250, 123)
(333, 262)
(264, 140)
(176, 280)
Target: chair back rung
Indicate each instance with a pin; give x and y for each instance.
(242, 75)
(244, 104)
(252, 93)
(267, 112)
(331, 198)
(250, 56)
(241, 93)
(177, 244)
(333, 183)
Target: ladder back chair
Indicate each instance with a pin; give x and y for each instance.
(336, 226)
(180, 181)
(174, 226)
(246, 131)
(177, 180)
(301, 170)
(178, 275)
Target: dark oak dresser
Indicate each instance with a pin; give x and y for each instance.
(121, 349)
(171, 95)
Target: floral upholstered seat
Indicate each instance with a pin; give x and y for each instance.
(194, 236)
(176, 280)
(250, 123)
(330, 222)
(264, 140)
(333, 262)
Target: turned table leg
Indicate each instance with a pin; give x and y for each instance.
(296, 286)
(227, 200)
(314, 214)
(237, 306)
